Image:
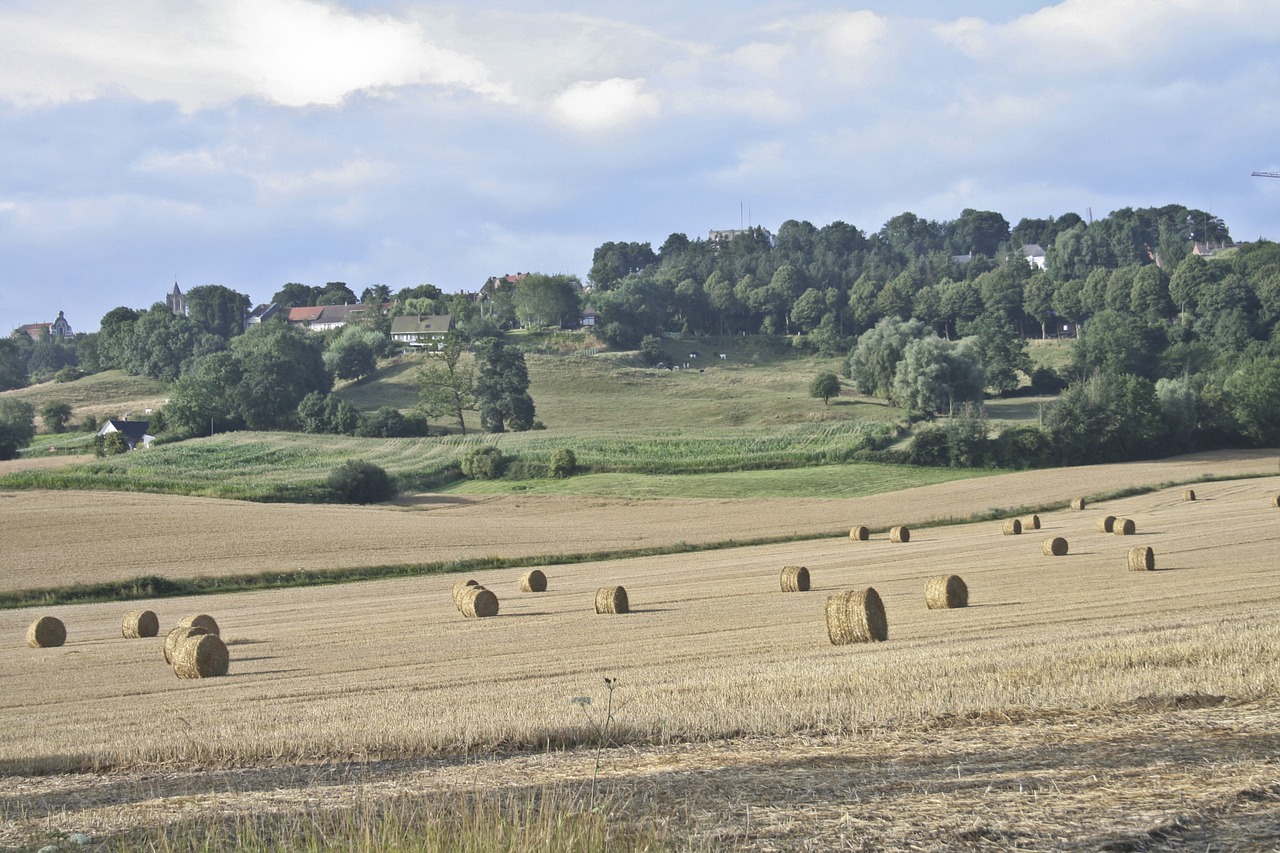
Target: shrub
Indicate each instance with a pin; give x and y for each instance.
(69, 374)
(929, 447)
(564, 462)
(55, 415)
(1021, 447)
(483, 463)
(113, 444)
(516, 468)
(89, 424)
(359, 482)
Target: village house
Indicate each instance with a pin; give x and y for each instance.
(59, 328)
(421, 330)
(133, 432)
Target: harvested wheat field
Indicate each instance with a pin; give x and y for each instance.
(95, 546)
(1073, 704)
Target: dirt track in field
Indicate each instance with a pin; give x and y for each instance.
(54, 538)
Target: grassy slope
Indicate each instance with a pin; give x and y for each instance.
(110, 394)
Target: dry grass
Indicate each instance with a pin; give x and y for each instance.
(95, 546)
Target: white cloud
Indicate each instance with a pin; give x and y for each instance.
(205, 52)
(606, 105)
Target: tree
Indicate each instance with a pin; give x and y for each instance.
(1000, 350)
(327, 413)
(352, 353)
(826, 386)
(203, 399)
(336, 293)
(295, 295)
(1253, 394)
(1037, 300)
(612, 262)
(1107, 418)
(17, 426)
(217, 310)
(55, 415)
(651, 350)
(13, 365)
(279, 365)
(445, 386)
(547, 300)
(875, 356)
(502, 387)
(934, 375)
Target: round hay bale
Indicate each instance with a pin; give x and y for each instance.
(459, 588)
(1142, 559)
(1106, 523)
(202, 620)
(1189, 495)
(201, 656)
(1275, 501)
(900, 534)
(1124, 527)
(478, 603)
(859, 534)
(177, 635)
(1077, 504)
(612, 599)
(794, 579)
(944, 592)
(1031, 522)
(856, 616)
(533, 581)
(139, 623)
(46, 632)
(1012, 526)
(1055, 546)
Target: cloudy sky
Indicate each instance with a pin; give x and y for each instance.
(251, 143)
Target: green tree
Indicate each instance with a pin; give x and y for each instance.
(874, 359)
(327, 413)
(502, 388)
(547, 300)
(1188, 282)
(202, 401)
(1149, 295)
(1037, 300)
(446, 387)
(295, 295)
(1000, 350)
(612, 262)
(279, 365)
(1107, 418)
(13, 365)
(934, 375)
(55, 415)
(1253, 394)
(354, 352)
(336, 293)
(17, 426)
(217, 310)
(358, 481)
(826, 386)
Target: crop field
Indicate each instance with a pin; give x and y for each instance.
(1074, 704)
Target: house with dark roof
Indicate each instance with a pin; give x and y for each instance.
(133, 432)
(421, 330)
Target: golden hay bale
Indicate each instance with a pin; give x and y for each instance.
(202, 620)
(533, 581)
(478, 603)
(201, 656)
(943, 592)
(46, 632)
(1142, 559)
(177, 635)
(140, 623)
(1275, 501)
(459, 588)
(859, 533)
(1031, 522)
(1106, 523)
(1189, 495)
(1012, 526)
(1124, 527)
(612, 599)
(900, 534)
(1054, 546)
(1077, 504)
(794, 579)
(856, 616)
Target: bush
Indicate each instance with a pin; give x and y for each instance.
(516, 468)
(359, 482)
(55, 415)
(112, 444)
(69, 374)
(564, 462)
(89, 424)
(1045, 380)
(929, 447)
(1022, 447)
(483, 463)
(17, 426)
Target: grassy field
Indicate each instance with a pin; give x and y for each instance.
(1073, 703)
(110, 394)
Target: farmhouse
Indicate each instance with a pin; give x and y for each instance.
(421, 330)
(133, 432)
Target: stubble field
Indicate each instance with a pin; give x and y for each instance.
(1073, 704)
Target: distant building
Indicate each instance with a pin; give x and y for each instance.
(589, 318)
(1034, 255)
(59, 328)
(322, 318)
(726, 235)
(421, 330)
(133, 432)
(176, 301)
(261, 313)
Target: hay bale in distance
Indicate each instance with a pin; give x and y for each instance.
(856, 616)
(177, 635)
(943, 592)
(1031, 522)
(533, 581)
(1142, 559)
(1077, 504)
(859, 534)
(1106, 523)
(794, 579)
(46, 633)
(1011, 526)
(1189, 495)
(201, 656)
(202, 620)
(1055, 546)
(612, 599)
(459, 588)
(139, 623)
(900, 534)
(1124, 527)
(477, 602)
(1275, 501)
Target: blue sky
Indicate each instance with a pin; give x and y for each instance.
(251, 143)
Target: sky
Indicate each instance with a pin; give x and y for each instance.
(250, 143)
